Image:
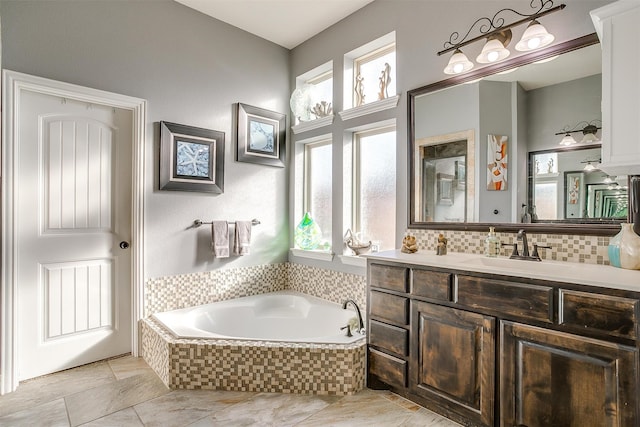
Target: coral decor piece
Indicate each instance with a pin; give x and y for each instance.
(385, 80)
(497, 163)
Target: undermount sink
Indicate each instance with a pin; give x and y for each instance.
(519, 265)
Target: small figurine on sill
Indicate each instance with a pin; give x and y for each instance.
(409, 245)
(441, 248)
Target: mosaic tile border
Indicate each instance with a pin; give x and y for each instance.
(190, 290)
(329, 369)
(569, 248)
(330, 285)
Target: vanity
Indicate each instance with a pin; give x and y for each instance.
(501, 342)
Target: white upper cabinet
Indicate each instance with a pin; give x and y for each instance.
(618, 27)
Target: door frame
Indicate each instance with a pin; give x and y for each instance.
(14, 84)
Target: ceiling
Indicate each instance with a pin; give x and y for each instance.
(284, 22)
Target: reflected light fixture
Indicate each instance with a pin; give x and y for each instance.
(534, 37)
(589, 166)
(459, 63)
(588, 130)
(498, 36)
(568, 140)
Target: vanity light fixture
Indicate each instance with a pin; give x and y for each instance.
(498, 36)
(495, 49)
(459, 63)
(535, 37)
(588, 130)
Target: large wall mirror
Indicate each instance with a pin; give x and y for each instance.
(484, 147)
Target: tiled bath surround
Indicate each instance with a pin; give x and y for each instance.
(255, 366)
(251, 365)
(570, 248)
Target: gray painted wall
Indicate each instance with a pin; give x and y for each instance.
(191, 68)
(421, 29)
(495, 119)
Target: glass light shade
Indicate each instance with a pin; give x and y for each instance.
(493, 51)
(534, 37)
(589, 138)
(589, 167)
(568, 140)
(459, 63)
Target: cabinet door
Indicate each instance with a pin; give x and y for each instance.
(550, 378)
(452, 359)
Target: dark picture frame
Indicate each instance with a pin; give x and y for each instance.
(191, 158)
(260, 136)
(574, 195)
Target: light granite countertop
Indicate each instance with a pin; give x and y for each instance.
(603, 276)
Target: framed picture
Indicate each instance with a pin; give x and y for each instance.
(191, 158)
(260, 136)
(497, 162)
(574, 195)
(444, 189)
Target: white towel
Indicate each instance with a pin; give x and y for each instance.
(242, 238)
(220, 239)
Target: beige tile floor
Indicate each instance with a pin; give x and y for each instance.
(125, 392)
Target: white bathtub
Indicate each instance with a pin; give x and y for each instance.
(284, 316)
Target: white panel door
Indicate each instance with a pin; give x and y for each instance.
(73, 175)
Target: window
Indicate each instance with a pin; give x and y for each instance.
(313, 97)
(374, 186)
(374, 73)
(321, 94)
(370, 74)
(317, 186)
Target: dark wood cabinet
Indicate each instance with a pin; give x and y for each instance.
(550, 378)
(452, 360)
(495, 350)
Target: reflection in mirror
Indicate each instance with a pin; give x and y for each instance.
(564, 186)
(527, 101)
(446, 169)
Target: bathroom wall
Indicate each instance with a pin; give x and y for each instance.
(191, 69)
(421, 29)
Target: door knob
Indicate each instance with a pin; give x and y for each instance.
(124, 245)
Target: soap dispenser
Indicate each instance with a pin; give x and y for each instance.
(492, 244)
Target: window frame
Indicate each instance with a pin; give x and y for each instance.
(367, 58)
(356, 186)
(306, 173)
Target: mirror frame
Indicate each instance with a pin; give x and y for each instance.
(596, 229)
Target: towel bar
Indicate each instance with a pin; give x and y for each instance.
(197, 223)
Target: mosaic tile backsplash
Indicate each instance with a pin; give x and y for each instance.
(570, 248)
(189, 290)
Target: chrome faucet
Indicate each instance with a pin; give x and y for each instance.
(360, 321)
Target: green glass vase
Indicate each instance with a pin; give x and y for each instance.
(307, 234)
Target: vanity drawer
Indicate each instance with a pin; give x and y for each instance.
(387, 277)
(389, 307)
(387, 368)
(431, 284)
(507, 298)
(616, 316)
(389, 337)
